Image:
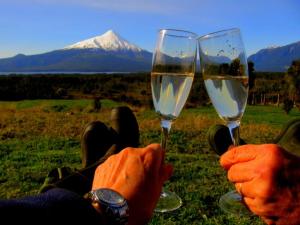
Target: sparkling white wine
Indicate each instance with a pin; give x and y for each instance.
(228, 94)
(170, 92)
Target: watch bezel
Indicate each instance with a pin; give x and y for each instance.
(116, 212)
(103, 193)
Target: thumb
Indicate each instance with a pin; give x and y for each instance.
(243, 153)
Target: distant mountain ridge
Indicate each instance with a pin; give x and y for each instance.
(276, 59)
(112, 53)
(106, 53)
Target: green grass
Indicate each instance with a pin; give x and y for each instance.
(66, 104)
(200, 193)
(24, 164)
(27, 154)
(270, 115)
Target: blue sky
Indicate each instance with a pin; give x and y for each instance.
(37, 26)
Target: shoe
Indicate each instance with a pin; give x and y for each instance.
(97, 144)
(124, 123)
(219, 138)
(96, 139)
(289, 137)
(78, 181)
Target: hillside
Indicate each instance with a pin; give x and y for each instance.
(276, 59)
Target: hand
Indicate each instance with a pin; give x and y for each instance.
(138, 174)
(268, 178)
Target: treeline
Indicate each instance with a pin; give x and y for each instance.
(275, 88)
(19, 87)
(135, 89)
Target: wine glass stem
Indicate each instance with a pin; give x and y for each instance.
(165, 128)
(234, 128)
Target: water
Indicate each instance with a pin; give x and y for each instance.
(61, 73)
(228, 94)
(170, 92)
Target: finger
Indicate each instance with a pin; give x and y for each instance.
(250, 203)
(154, 146)
(167, 171)
(246, 189)
(242, 153)
(238, 187)
(155, 150)
(242, 172)
(153, 158)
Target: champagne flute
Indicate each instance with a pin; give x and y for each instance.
(173, 70)
(225, 73)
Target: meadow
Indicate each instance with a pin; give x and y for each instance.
(38, 135)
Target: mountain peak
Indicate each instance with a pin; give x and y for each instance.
(109, 41)
(110, 33)
(273, 46)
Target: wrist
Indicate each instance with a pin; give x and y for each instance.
(110, 205)
(97, 208)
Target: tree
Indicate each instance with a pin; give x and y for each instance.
(293, 81)
(252, 76)
(287, 105)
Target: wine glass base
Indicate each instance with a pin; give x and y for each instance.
(232, 203)
(168, 202)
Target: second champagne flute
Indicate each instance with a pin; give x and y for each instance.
(225, 73)
(173, 70)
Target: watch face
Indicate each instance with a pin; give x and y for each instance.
(109, 196)
(114, 206)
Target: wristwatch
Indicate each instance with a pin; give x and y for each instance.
(113, 206)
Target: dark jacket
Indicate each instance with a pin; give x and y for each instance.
(56, 206)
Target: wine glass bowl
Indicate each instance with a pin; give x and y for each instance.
(225, 72)
(173, 69)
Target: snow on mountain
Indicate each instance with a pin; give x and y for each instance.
(276, 59)
(273, 46)
(109, 41)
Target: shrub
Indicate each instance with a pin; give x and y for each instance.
(97, 104)
(287, 105)
(61, 92)
(59, 108)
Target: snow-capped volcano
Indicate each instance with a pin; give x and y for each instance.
(106, 53)
(109, 41)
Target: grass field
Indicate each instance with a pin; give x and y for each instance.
(38, 135)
